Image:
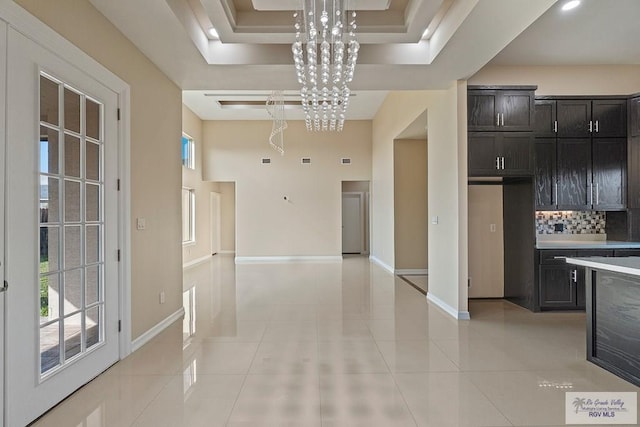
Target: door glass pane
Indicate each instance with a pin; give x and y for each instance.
(49, 200)
(92, 163)
(71, 285)
(72, 156)
(71, 110)
(93, 202)
(49, 298)
(48, 150)
(49, 347)
(72, 291)
(71, 201)
(72, 247)
(92, 239)
(92, 118)
(48, 101)
(72, 335)
(92, 280)
(49, 249)
(93, 325)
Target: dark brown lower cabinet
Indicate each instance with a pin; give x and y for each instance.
(562, 286)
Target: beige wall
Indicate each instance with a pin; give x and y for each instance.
(447, 166)
(308, 223)
(228, 216)
(155, 154)
(565, 80)
(486, 247)
(410, 204)
(192, 178)
(355, 186)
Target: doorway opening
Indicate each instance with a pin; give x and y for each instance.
(355, 217)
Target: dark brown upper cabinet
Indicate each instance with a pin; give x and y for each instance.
(546, 124)
(581, 118)
(609, 118)
(500, 109)
(500, 154)
(634, 116)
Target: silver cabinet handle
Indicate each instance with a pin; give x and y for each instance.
(502, 119)
(4, 287)
(555, 126)
(556, 195)
(591, 192)
(503, 163)
(559, 257)
(574, 276)
(597, 130)
(498, 119)
(497, 162)
(597, 193)
(590, 126)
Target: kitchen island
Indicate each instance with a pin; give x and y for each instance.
(613, 314)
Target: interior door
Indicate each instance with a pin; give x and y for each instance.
(352, 224)
(3, 69)
(61, 229)
(215, 223)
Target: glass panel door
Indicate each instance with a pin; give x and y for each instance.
(62, 229)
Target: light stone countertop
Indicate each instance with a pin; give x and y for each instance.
(625, 265)
(586, 244)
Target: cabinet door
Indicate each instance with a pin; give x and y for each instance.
(482, 111)
(557, 287)
(545, 118)
(545, 173)
(574, 173)
(626, 252)
(581, 288)
(484, 148)
(609, 118)
(517, 152)
(574, 118)
(634, 116)
(517, 109)
(609, 173)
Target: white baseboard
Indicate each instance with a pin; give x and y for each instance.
(412, 272)
(156, 329)
(196, 261)
(460, 315)
(381, 264)
(280, 259)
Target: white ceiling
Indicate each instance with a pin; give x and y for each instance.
(253, 55)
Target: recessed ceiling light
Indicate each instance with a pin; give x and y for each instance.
(213, 33)
(571, 5)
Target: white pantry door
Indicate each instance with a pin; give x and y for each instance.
(61, 229)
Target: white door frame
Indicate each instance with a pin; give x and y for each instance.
(31, 27)
(214, 221)
(361, 196)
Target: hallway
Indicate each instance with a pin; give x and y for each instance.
(331, 344)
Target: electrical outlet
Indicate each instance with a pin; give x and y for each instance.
(162, 299)
(492, 228)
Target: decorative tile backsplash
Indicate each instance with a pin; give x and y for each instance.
(570, 222)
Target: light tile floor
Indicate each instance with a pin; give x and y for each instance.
(310, 344)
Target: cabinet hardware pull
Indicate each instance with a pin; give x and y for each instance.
(591, 193)
(597, 193)
(559, 257)
(4, 287)
(556, 195)
(498, 119)
(555, 126)
(502, 124)
(590, 126)
(597, 130)
(502, 163)
(574, 276)
(498, 163)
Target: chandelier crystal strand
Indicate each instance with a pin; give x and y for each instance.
(321, 27)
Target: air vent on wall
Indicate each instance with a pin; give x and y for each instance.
(345, 161)
(266, 161)
(306, 160)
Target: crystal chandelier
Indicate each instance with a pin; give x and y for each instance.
(321, 27)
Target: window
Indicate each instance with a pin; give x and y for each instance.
(188, 215)
(188, 152)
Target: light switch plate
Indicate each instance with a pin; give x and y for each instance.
(141, 223)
